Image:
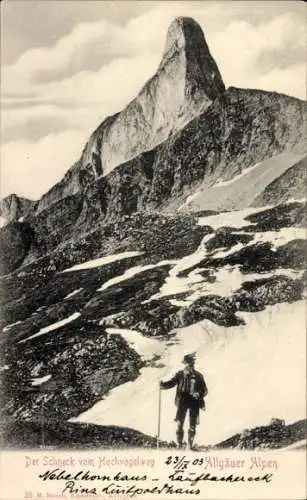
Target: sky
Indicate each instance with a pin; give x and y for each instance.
(68, 64)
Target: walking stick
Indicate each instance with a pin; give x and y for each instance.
(159, 417)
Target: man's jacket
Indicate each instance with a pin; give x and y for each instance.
(179, 380)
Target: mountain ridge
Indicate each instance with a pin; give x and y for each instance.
(175, 94)
(228, 131)
(202, 152)
(78, 178)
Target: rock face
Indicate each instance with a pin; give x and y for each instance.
(273, 436)
(240, 129)
(14, 207)
(186, 83)
(243, 128)
(16, 239)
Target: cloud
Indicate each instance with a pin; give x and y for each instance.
(246, 64)
(82, 101)
(31, 168)
(38, 23)
(89, 50)
(35, 24)
(86, 47)
(89, 46)
(281, 58)
(66, 89)
(282, 79)
(33, 129)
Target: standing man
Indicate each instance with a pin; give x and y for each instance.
(190, 393)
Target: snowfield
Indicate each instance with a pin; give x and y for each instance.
(254, 372)
(228, 280)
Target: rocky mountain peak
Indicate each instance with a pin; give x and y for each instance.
(185, 84)
(185, 41)
(179, 32)
(182, 132)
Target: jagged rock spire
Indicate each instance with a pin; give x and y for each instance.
(185, 40)
(185, 84)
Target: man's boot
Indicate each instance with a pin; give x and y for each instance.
(179, 434)
(191, 435)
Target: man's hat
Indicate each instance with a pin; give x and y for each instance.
(189, 357)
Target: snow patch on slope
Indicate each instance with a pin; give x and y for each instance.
(41, 380)
(281, 237)
(73, 293)
(8, 327)
(3, 221)
(102, 261)
(276, 238)
(130, 273)
(53, 326)
(227, 280)
(146, 347)
(235, 218)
